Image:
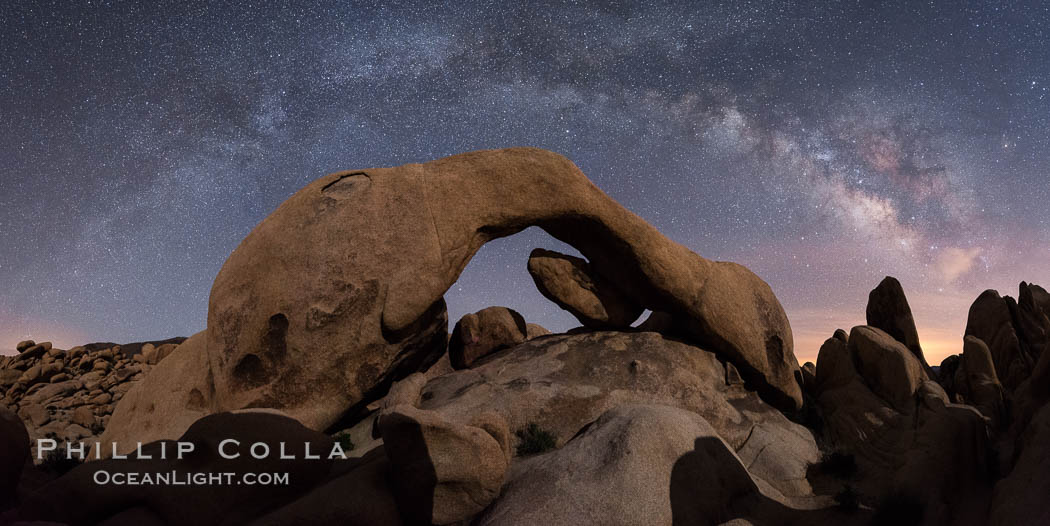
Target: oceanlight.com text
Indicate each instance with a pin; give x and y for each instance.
(175, 478)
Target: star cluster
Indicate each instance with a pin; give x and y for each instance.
(824, 145)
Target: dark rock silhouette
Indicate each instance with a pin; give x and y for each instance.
(888, 310)
(14, 453)
(979, 383)
(991, 321)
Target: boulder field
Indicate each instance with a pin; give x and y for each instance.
(327, 341)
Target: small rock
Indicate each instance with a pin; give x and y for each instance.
(118, 390)
(733, 375)
(48, 370)
(809, 375)
(76, 352)
(61, 377)
(23, 345)
(84, 416)
(9, 377)
(125, 373)
(148, 354)
(48, 391)
(35, 414)
(534, 330)
(483, 333)
(35, 351)
(31, 375)
(53, 427)
(92, 381)
(75, 431)
(164, 350)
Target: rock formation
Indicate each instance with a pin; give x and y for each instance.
(626, 426)
(70, 395)
(484, 332)
(979, 383)
(329, 316)
(990, 321)
(1021, 497)
(354, 266)
(164, 407)
(447, 450)
(563, 382)
(570, 283)
(886, 366)
(888, 310)
(879, 406)
(647, 464)
(912, 437)
(457, 469)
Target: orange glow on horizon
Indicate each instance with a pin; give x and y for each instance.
(39, 331)
(937, 342)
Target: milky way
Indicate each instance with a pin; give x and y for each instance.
(822, 146)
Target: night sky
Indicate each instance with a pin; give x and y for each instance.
(823, 146)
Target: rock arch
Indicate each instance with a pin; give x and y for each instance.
(358, 263)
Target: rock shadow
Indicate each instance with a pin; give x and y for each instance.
(710, 486)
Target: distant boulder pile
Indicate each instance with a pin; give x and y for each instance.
(70, 395)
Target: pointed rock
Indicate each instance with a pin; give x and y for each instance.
(888, 310)
(834, 364)
(991, 321)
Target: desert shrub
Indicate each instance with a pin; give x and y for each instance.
(838, 464)
(345, 441)
(847, 498)
(899, 508)
(534, 440)
(56, 463)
